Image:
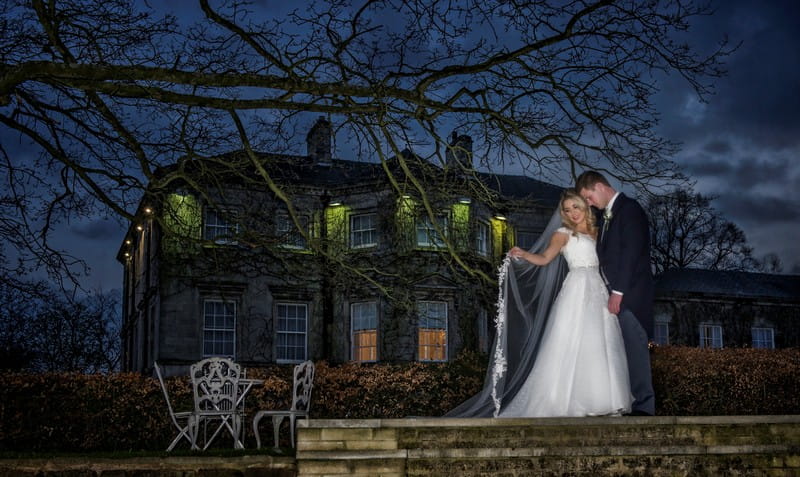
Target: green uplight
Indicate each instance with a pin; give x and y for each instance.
(461, 214)
(183, 219)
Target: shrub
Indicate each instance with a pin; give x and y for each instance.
(126, 411)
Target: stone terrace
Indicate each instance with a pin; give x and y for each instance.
(730, 446)
(646, 446)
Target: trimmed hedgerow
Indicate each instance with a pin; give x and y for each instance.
(126, 411)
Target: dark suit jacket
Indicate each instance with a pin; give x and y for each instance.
(624, 252)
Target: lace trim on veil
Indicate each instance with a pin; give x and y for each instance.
(500, 363)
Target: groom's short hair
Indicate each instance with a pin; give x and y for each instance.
(589, 179)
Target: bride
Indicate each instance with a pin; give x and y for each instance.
(558, 351)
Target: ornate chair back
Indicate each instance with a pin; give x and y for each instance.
(303, 383)
(216, 385)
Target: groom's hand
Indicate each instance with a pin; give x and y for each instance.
(614, 303)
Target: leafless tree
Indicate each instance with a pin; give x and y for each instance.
(97, 97)
(687, 232)
(43, 330)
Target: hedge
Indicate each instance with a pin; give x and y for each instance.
(127, 412)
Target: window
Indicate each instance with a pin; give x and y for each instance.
(291, 319)
(482, 239)
(526, 239)
(432, 330)
(220, 225)
(364, 324)
(291, 237)
(427, 236)
(483, 331)
(763, 338)
(710, 336)
(219, 328)
(661, 333)
(362, 231)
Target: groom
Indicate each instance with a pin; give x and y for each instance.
(623, 246)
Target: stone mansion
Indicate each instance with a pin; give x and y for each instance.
(282, 258)
(354, 270)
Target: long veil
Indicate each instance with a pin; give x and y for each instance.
(525, 296)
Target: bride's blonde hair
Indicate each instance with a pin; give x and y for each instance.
(573, 194)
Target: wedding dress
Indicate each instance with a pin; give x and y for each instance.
(557, 351)
(580, 369)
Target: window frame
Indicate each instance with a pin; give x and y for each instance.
(291, 233)
(279, 332)
(373, 230)
(354, 350)
(533, 235)
(705, 338)
(231, 229)
(664, 334)
(226, 330)
(771, 340)
(482, 237)
(483, 331)
(445, 330)
(423, 223)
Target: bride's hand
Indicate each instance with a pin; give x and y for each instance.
(516, 252)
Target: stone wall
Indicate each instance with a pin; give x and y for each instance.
(652, 446)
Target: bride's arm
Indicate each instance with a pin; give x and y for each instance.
(557, 242)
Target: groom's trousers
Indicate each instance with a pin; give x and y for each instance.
(638, 354)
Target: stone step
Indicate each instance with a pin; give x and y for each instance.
(669, 446)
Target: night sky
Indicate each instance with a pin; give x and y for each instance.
(741, 146)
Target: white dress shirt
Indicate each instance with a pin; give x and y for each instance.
(608, 207)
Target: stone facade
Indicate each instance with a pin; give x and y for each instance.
(225, 271)
(716, 308)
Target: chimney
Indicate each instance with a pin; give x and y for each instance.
(459, 152)
(319, 142)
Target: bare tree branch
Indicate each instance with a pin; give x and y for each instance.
(118, 101)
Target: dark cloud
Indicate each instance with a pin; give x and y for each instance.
(744, 172)
(102, 229)
(760, 96)
(703, 165)
(757, 208)
(757, 98)
(718, 147)
(751, 172)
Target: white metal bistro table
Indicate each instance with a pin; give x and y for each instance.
(229, 416)
(245, 385)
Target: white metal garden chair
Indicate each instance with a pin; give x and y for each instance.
(215, 383)
(303, 382)
(181, 420)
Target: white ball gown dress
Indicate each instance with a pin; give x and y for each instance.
(580, 369)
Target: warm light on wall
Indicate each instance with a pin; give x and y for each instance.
(405, 217)
(461, 215)
(148, 210)
(336, 223)
(183, 219)
(502, 235)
